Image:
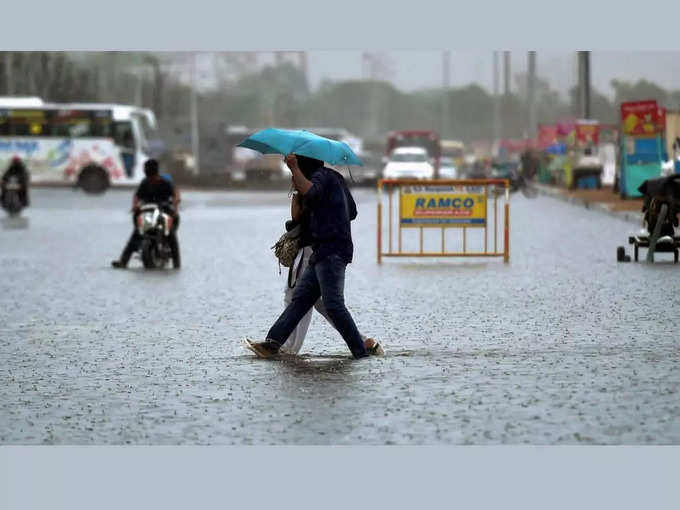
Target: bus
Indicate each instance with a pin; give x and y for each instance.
(89, 145)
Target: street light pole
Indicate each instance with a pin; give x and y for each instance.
(496, 101)
(9, 85)
(446, 84)
(585, 56)
(194, 116)
(506, 73)
(531, 93)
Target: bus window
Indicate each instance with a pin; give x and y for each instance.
(71, 123)
(28, 123)
(102, 124)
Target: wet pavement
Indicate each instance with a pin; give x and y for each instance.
(561, 345)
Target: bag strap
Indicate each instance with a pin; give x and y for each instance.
(297, 273)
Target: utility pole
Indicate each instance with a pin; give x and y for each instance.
(9, 86)
(584, 84)
(506, 73)
(101, 80)
(531, 94)
(139, 92)
(193, 113)
(304, 64)
(578, 107)
(446, 85)
(496, 101)
(369, 66)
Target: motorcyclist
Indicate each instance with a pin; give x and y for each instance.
(157, 190)
(529, 164)
(16, 169)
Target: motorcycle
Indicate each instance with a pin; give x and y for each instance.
(12, 196)
(661, 207)
(518, 181)
(154, 226)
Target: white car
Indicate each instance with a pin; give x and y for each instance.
(408, 163)
(447, 168)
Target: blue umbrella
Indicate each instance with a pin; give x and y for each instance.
(304, 143)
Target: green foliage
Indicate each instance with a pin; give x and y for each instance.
(643, 89)
(279, 95)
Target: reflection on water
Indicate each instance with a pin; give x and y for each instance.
(558, 346)
(14, 223)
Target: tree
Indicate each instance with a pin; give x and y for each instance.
(601, 107)
(643, 89)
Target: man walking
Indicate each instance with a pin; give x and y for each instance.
(332, 208)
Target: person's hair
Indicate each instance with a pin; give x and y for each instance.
(16, 164)
(308, 165)
(151, 167)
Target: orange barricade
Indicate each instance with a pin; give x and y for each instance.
(462, 204)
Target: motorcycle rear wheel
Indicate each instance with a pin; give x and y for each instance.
(149, 255)
(12, 203)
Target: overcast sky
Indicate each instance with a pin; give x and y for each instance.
(420, 69)
(412, 70)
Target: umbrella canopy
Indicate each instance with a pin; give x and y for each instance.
(304, 143)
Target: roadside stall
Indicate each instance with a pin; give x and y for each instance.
(586, 163)
(548, 146)
(643, 149)
(672, 126)
(561, 165)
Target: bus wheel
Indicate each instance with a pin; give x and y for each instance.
(93, 179)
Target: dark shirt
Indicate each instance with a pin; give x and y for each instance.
(332, 208)
(17, 170)
(304, 223)
(158, 191)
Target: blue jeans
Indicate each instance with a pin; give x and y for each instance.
(326, 279)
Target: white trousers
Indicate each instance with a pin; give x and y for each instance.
(294, 342)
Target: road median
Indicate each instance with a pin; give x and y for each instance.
(604, 200)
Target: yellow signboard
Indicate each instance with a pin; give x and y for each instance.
(442, 206)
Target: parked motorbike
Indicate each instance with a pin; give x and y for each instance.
(661, 206)
(154, 226)
(12, 196)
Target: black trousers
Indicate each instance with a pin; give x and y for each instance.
(135, 238)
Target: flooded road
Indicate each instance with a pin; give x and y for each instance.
(561, 345)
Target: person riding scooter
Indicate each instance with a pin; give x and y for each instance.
(18, 170)
(157, 190)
